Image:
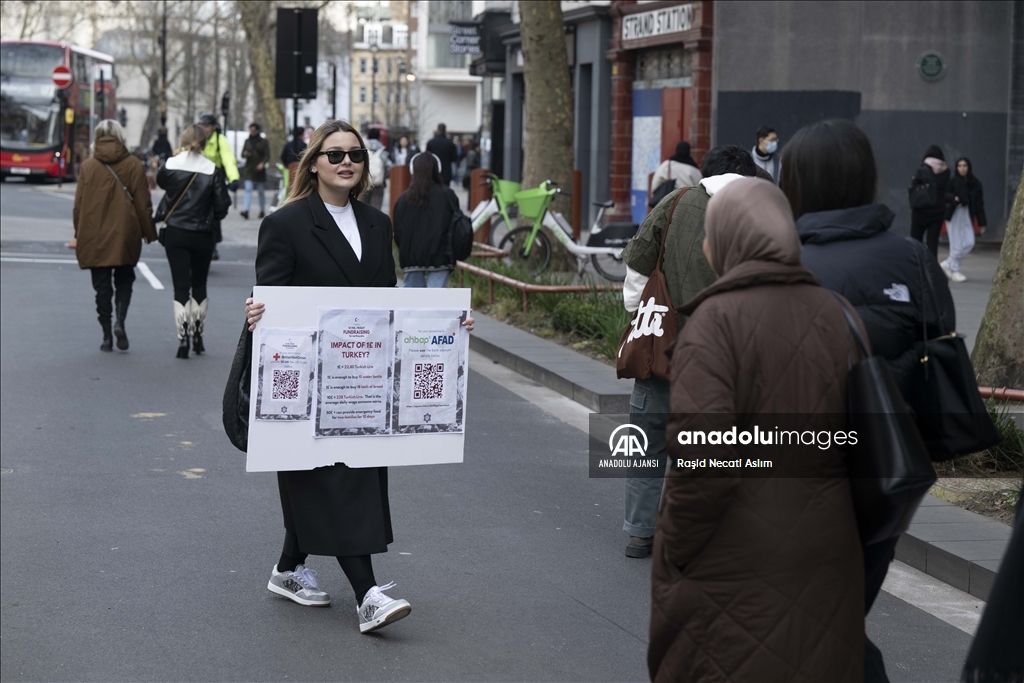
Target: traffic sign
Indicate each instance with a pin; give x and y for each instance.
(62, 77)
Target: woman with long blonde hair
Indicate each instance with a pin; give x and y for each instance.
(322, 236)
(196, 198)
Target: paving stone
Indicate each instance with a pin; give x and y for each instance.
(958, 531)
(939, 514)
(981, 577)
(974, 551)
(948, 567)
(912, 551)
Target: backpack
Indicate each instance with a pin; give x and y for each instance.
(377, 167)
(922, 194)
(460, 232)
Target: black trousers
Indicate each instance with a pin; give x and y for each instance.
(104, 281)
(877, 558)
(926, 229)
(188, 253)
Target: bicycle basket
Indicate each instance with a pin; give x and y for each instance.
(532, 203)
(505, 190)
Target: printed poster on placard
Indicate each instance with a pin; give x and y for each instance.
(284, 389)
(429, 371)
(353, 372)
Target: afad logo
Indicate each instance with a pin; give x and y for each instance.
(628, 444)
(437, 339)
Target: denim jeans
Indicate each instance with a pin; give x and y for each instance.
(426, 278)
(648, 409)
(261, 188)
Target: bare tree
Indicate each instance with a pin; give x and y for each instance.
(259, 22)
(549, 117)
(32, 19)
(998, 355)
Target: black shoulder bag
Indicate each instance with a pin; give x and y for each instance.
(460, 233)
(921, 193)
(889, 468)
(235, 406)
(950, 413)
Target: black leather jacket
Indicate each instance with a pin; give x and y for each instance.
(206, 200)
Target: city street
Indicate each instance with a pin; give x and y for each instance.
(135, 546)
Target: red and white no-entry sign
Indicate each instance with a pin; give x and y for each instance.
(62, 77)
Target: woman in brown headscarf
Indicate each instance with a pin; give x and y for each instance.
(755, 578)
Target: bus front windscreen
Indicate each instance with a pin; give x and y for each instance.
(30, 113)
(29, 126)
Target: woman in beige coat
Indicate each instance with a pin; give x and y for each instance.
(757, 578)
(112, 215)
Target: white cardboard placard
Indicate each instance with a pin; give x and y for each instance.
(289, 445)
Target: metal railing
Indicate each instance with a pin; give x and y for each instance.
(526, 288)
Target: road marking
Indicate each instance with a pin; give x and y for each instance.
(930, 595)
(154, 281)
(14, 259)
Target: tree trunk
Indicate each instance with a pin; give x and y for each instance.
(258, 21)
(548, 145)
(998, 355)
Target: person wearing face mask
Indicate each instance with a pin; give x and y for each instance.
(323, 236)
(765, 152)
(757, 579)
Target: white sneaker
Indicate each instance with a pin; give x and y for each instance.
(299, 586)
(957, 276)
(946, 269)
(378, 610)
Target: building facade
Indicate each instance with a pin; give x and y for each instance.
(381, 61)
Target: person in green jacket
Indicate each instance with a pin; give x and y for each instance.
(220, 153)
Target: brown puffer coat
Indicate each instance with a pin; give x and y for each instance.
(757, 579)
(109, 226)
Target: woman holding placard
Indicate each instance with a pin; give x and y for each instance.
(323, 237)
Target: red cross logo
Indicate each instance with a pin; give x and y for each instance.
(277, 356)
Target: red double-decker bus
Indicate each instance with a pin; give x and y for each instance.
(44, 130)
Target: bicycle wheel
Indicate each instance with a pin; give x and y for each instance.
(539, 257)
(498, 230)
(610, 267)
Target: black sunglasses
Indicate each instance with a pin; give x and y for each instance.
(336, 156)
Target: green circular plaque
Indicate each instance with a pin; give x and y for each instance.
(931, 65)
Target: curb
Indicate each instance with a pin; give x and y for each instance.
(955, 546)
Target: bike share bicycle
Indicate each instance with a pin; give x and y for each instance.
(530, 249)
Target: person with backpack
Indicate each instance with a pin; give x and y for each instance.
(423, 217)
(380, 164)
(928, 198)
(196, 199)
(112, 216)
(679, 170)
(965, 215)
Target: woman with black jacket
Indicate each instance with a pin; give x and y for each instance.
(830, 178)
(196, 197)
(322, 236)
(925, 223)
(423, 216)
(965, 210)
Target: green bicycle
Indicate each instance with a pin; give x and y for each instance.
(530, 249)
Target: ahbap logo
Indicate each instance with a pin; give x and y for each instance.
(628, 444)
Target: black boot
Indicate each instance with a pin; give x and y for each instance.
(181, 321)
(108, 338)
(198, 320)
(121, 301)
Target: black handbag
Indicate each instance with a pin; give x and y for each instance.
(950, 413)
(235, 406)
(663, 190)
(889, 468)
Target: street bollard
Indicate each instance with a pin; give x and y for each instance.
(398, 183)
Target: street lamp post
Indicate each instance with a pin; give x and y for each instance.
(163, 67)
(373, 84)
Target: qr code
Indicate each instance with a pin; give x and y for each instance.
(286, 385)
(428, 381)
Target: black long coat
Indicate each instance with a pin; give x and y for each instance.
(332, 510)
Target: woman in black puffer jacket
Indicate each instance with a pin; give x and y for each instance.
(926, 223)
(196, 197)
(423, 217)
(830, 179)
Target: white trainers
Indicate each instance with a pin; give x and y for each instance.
(946, 269)
(957, 276)
(299, 586)
(378, 610)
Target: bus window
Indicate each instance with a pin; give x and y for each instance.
(21, 60)
(30, 126)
